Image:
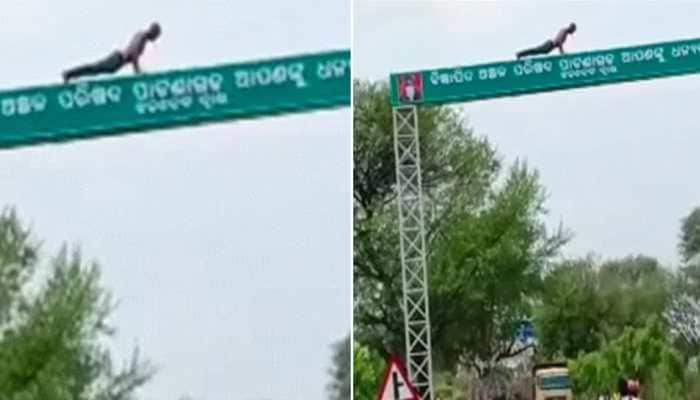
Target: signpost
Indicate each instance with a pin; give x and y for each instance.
(511, 78)
(409, 90)
(396, 385)
(175, 98)
(526, 332)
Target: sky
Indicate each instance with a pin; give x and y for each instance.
(226, 246)
(619, 162)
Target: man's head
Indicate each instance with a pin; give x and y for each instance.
(153, 31)
(571, 28)
(633, 387)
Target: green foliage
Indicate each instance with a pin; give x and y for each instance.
(451, 385)
(367, 370)
(446, 386)
(53, 330)
(643, 353)
(692, 378)
(584, 303)
(570, 316)
(634, 288)
(340, 386)
(684, 312)
(487, 270)
(690, 235)
(486, 239)
(683, 316)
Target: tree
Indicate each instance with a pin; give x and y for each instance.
(486, 273)
(690, 235)
(585, 303)
(53, 330)
(633, 288)
(571, 312)
(487, 243)
(642, 353)
(366, 373)
(683, 314)
(340, 386)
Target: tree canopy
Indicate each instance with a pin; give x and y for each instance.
(54, 326)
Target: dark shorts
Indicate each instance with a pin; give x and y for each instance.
(547, 46)
(112, 62)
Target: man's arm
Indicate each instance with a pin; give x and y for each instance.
(136, 65)
(560, 39)
(134, 50)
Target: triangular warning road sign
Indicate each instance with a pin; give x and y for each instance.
(396, 385)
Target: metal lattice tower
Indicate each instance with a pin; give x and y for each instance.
(413, 255)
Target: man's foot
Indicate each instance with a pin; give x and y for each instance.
(65, 77)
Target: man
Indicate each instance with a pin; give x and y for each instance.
(549, 45)
(118, 58)
(633, 389)
(629, 389)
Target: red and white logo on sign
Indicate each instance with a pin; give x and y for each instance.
(396, 385)
(410, 87)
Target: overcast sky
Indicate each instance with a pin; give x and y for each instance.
(620, 162)
(228, 247)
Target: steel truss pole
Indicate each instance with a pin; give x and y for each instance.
(413, 254)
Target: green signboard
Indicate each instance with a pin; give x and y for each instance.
(511, 78)
(175, 98)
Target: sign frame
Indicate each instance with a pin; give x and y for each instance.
(175, 98)
(396, 363)
(460, 84)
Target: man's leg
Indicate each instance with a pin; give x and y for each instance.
(83, 70)
(544, 48)
(108, 65)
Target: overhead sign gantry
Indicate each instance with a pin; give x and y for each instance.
(186, 97)
(536, 75)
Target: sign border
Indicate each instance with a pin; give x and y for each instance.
(395, 360)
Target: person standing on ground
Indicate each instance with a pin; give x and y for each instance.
(549, 45)
(118, 58)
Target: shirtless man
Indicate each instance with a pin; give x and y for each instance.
(549, 45)
(118, 58)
